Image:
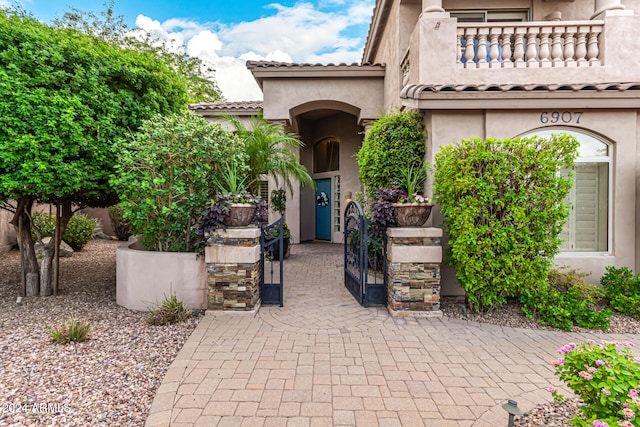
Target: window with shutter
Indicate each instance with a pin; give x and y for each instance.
(588, 226)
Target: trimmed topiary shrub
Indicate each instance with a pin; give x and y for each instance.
(503, 204)
(77, 234)
(394, 142)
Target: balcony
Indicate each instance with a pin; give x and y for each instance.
(445, 52)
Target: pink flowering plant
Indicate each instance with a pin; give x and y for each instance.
(413, 198)
(607, 381)
(412, 182)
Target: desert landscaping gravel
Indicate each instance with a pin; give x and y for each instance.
(111, 379)
(108, 380)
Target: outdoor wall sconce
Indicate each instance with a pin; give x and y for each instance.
(512, 408)
(348, 197)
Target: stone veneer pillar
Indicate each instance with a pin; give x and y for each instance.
(414, 255)
(233, 269)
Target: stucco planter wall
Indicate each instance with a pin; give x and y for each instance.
(145, 278)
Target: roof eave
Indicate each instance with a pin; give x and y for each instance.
(381, 13)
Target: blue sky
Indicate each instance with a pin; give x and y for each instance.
(228, 33)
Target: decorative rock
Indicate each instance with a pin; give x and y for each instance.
(65, 249)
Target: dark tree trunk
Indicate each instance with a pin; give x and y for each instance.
(47, 269)
(28, 261)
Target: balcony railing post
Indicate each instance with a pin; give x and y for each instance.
(532, 47)
(469, 50)
(556, 47)
(494, 50)
(569, 47)
(518, 48)
(482, 48)
(507, 34)
(581, 46)
(544, 52)
(593, 50)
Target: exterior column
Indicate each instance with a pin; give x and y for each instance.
(414, 256)
(233, 269)
(432, 6)
(602, 6)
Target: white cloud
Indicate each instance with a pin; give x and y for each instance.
(301, 33)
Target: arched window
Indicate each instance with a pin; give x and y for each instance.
(589, 227)
(326, 155)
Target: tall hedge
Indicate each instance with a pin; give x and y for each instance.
(393, 142)
(503, 203)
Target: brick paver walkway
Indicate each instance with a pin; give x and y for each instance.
(323, 360)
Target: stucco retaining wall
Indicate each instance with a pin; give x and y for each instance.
(145, 278)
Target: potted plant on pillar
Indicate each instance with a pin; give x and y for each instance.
(238, 205)
(412, 209)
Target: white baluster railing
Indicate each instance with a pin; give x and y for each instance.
(529, 44)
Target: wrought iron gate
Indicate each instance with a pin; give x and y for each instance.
(365, 259)
(272, 252)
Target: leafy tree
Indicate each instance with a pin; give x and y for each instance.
(166, 173)
(65, 99)
(502, 201)
(394, 143)
(271, 150)
(111, 27)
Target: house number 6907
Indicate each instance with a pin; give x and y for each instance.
(561, 117)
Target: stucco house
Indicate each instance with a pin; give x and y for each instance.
(482, 68)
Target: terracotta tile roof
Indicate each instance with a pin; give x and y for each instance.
(227, 106)
(273, 64)
(414, 91)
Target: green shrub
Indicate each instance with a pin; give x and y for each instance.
(121, 225)
(607, 381)
(172, 310)
(77, 234)
(565, 278)
(395, 141)
(503, 204)
(622, 290)
(566, 301)
(79, 231)
(166, 174)
(563, 310)
(70, 331)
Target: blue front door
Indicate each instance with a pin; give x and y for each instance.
(323, 209)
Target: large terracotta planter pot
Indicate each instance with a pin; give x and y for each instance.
(411, 214)
(240, 215)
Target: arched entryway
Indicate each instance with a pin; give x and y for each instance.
(332, 137)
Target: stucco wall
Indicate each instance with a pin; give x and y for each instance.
(145, 278)
(281, 95)
(619, 128)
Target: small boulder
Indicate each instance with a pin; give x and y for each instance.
(65, 249)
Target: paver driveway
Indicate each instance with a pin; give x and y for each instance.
(323, 360)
